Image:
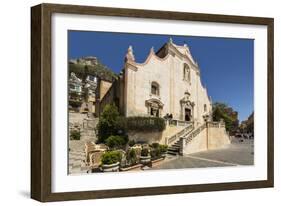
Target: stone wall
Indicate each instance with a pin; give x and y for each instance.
(104, 87)
(218, 138)
(147, 137)
(197, 144)
(75, 117)
(212, 137)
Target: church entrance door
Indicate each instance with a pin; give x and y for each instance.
(187, 116)
(154, 112)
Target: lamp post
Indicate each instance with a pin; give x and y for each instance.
(206, 117)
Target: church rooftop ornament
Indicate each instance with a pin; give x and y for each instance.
(130, 55)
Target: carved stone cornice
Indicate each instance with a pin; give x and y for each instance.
(130, 65)
(154, 103)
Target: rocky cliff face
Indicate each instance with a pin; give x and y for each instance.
(91, 66)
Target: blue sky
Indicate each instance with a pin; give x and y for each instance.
(226, 64)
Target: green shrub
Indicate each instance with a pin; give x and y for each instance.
(75, 135)
(155, 152)
(111, 157)
(157, 149)
(146, 124)
(131, 143)
(155, 145)
(115, 142)
(131, 156)
(121, 125)
(163, 148)
(110, 123)
(144, 152)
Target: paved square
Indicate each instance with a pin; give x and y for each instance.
(235, 154)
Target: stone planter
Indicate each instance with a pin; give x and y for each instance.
(111, 168)
(164, 154)
(145, 159)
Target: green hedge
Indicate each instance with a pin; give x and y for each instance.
(146, 124)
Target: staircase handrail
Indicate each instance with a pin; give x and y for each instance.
(194, 133)
(173, 138)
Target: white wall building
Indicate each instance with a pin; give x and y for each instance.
(168, 82)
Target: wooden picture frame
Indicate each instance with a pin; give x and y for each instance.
(41, 96)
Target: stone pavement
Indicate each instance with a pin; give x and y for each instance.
(237, 153)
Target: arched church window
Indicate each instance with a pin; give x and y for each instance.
(155, 88)
(205, 108)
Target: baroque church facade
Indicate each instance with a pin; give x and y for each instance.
(168, 82)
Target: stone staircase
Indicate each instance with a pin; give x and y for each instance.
(174, 149)
(174, 141)
(182, 141)
(189, 133)
(77, 163)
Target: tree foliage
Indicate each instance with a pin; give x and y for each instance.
(116, 142)
(223, 111)
(110, 123)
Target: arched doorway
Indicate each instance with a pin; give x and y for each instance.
(187, 108)
(187, 114)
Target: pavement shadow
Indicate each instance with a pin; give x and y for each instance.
(24, 193)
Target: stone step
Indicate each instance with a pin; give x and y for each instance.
(76, 152)
(172, 153)
(173, 149)
(80, 169)
(77, 156)
(75, 166)
(176, 145)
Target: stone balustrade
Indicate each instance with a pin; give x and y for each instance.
(177, 122)
(170, 140)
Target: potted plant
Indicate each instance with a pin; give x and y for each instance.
(131, 143)
(110, 161)
(131, 157)
(163, 149)
(145, 157)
